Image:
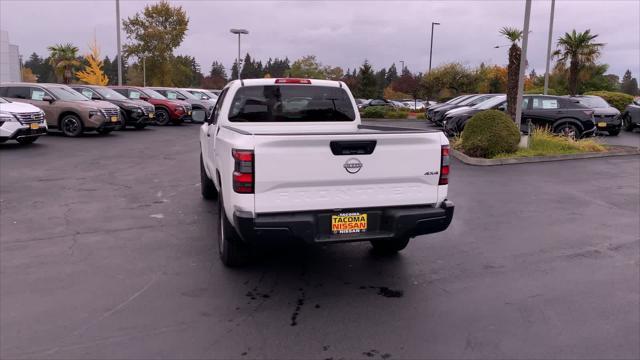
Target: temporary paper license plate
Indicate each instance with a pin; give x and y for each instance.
(114, 119)
(189, 113)
(34, 126)
(152, 115)
(348, 223)
(602, 124)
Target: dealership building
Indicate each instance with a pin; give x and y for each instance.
(9, 59)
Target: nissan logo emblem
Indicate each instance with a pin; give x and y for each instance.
(352, 165)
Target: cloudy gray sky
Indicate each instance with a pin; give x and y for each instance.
(340, 33)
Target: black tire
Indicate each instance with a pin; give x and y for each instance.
(568, 130)
(232, 250)
(71, 125)
(104, 131)
(27, 140)
(389, 246)
(123, 118)
(140, 126)
(207, 187)
(626, 123)
(162, 117)
(614, 132)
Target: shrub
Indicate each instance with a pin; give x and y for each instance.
(617, 99)
(374, 112)
(396, 114)
(421, 116)
(489, 133)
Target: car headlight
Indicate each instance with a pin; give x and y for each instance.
(94, 113)
(44, 120)
(135, 109)
(7, 116)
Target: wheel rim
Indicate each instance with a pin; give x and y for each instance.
(161, 117)
(568, 131)
(71, 125)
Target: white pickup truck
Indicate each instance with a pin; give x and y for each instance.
(289, 158)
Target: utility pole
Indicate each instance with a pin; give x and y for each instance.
(431, 47)
(523, 61)
(119, 45)
(144, 71)
(239, 32)
(401, 67)
(546, 72)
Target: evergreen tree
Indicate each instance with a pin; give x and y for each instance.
(629, 84)
(367, 87)
(381, 79)
(40, 67)
(234, 71)
(392, 75)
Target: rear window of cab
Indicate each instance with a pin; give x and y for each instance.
(291, 103)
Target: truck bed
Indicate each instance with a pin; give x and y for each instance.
(362, 130)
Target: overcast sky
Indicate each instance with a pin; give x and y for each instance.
(340, 33)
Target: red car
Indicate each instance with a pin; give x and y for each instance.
(175, 111)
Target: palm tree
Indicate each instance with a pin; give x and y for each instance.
(64, 58)
(579, 50)
(513, 69)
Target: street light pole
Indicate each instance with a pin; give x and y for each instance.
(431, 47)
(144, 70)
(546, 72)
(401, 67)
(239, 32)
(523, 62)
(118, 40)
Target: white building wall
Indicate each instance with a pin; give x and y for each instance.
(9, 59)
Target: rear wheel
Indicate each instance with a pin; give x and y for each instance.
(27, 140)
(207, 187)
(233, 252)
(162, 117)
(389, 246)
(71, 125)
(568, 130)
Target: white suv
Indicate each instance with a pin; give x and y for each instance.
(22, 122)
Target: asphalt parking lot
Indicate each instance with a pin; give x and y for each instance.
(108, 251)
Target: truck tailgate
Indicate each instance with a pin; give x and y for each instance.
(300, 172)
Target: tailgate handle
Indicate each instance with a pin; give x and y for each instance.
(360, 147)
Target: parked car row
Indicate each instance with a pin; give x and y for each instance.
(576, 116)
(29, 110)
(409, 104)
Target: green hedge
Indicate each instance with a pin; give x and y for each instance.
(489, 133)
(617, 99)
(374, 112)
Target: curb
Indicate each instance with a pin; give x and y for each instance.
(624, 151)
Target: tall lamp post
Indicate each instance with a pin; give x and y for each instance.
(239, 32)
(523, 62)
(431, 47)
(118, 39)
(546, 72)
(402, 67)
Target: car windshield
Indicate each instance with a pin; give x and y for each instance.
(154, 94)
(593, 102)
(291, 103)
(468, 100)
(460, 99)
(109, 94)
(490, 103)
(66, 93)
(479, 100)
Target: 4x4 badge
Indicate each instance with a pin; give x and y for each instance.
(352, 165)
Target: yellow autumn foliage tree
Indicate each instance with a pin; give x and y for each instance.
(93, 74)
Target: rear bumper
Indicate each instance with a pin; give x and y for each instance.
(314, 227)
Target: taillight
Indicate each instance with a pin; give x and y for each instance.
(444, 165)
(243, 180)
(293, 81)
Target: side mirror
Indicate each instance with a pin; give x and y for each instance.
(47, 98)
(180, 97)
(211, 117)
(144, 98)
(96, 97)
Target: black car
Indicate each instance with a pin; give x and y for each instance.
(440, 113)
(377, 102)
(454, 123)
(561, 114)
(431, 109)
(606, 116)
(137, 113)
(631, 116)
